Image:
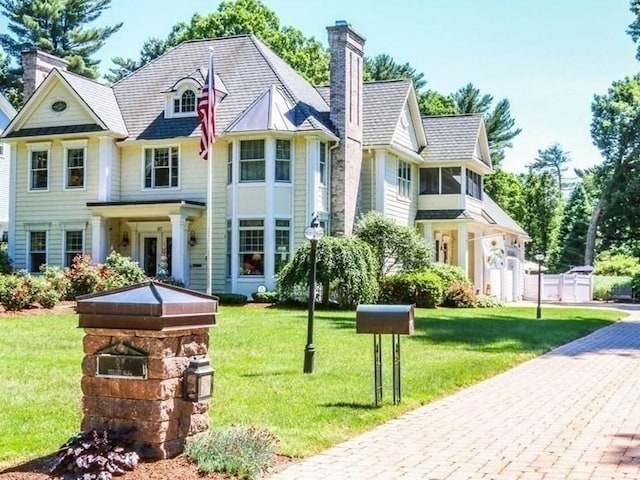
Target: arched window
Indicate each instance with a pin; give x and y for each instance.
(186, 103)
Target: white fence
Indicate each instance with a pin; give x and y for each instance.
(566, 287)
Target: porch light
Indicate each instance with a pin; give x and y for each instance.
(198, 380)
(192, 238)
(125, 239)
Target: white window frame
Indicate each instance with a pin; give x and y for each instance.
(404, 179)
(281, 251)
(323, 170)
(242, 252)
(30, 251)
(75, 145)
(31, 149)
(283, 160)
(66, 251)
(176, 95)
(144, 173)
(247, 160)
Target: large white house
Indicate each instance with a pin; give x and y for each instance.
(7, 112)
(97, 168)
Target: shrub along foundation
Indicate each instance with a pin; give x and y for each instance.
(138, 343)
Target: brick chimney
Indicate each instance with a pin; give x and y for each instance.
(347, 48)
(36, 65)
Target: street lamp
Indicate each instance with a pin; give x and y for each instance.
(313, 233)
(539, 258)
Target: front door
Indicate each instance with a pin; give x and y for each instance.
(150, 255)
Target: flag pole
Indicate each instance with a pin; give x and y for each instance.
(211, 107)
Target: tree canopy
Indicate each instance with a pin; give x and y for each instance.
(59, 27)
(554, 160)
(306, 55)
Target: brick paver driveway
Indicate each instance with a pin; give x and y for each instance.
(573, 413)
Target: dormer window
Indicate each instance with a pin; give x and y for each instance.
(185, 103)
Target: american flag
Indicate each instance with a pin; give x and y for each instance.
(207, 112)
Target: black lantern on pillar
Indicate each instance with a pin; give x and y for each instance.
(313, 233)
(198, 380)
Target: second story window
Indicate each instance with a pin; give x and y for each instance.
(323, 163)
(445, 181)
(474, 184)
(404, 179)
(161, 166)
(230, 163)
(39, 168)
(283, 161)
(429, 181)
(75, 168)
(252, 161)
(185, 103)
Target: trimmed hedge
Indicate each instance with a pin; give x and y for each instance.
(424, 289)
(231, 298)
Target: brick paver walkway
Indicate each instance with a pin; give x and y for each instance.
(572, 414)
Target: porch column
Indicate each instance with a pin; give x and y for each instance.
(427, 235)
(98, 239)
(179, 254)
(463, 246)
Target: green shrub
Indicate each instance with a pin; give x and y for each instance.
(460, 295)
(265, 297)
(604, 285)
(424, 289)
(231, 298)
(449, 274)
(56, 280)
(17, 292)
(488, 301)
(170, 281)
(244, 452)
(129, 270)
(610, 264)
(5, 261)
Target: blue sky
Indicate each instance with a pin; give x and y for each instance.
(548, 57)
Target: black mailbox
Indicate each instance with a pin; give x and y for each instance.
(387, 319)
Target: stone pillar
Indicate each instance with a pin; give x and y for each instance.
(138, 342)
(347, 49)
(153, 406)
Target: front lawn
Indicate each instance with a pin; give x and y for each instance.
(258, 356)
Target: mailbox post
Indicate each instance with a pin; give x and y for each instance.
(395, 320)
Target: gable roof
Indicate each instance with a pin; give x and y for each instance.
(452, 137)
(246, 66)
(382, 104)
(96, 98)
(270, 111)
(499, 217)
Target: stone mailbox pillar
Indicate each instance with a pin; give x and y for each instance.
(138, 342)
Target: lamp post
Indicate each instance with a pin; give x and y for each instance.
(539, 257)
(313, 233)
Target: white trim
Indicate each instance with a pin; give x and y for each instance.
(13, 154)
(380, 158)
(72, 228)
(76, 145)
(143, 188)
(38, 147)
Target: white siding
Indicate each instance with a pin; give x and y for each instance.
(401, 209)
(440, 202)
(4, 188)
(405, 134)
(75, 114)
(367, 182)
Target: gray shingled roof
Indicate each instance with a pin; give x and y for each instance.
(99, 98)
(451, 137)
(55, 130)
(382, 106)
(499, 216)
(245, 65)
(442, 214)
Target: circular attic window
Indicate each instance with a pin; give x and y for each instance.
(59, 106)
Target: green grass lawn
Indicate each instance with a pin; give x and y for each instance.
(258, 356)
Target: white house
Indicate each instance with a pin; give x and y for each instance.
(100, 168)
(7, 112)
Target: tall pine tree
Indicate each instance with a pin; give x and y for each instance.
(573, 229)
(59, 27)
